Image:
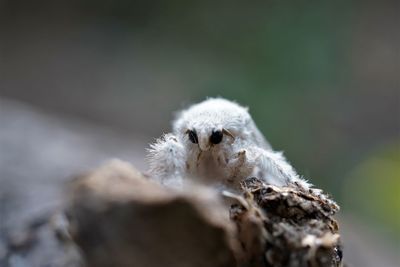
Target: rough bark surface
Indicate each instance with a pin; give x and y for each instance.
(118, 217)
(298, 228)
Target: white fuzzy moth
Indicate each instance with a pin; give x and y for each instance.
(217, 142)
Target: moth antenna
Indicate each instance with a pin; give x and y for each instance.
(228, 133)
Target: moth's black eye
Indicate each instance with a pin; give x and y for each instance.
(193, 136)
(216, 137)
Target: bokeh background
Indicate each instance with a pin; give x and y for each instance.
(84, 81)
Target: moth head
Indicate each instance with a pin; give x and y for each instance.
(211, 123)
(206, 139)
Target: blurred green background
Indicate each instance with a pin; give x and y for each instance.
(321, 78)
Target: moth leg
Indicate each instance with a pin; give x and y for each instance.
(276, 170)
(239, 165)
(167, 160)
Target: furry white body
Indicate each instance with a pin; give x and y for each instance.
(243, 151)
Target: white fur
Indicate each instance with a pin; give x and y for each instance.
(174, 158)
